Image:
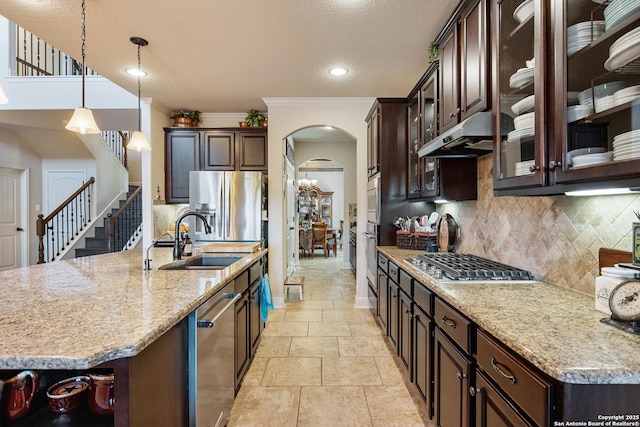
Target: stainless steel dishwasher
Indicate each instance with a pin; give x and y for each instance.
(211, 359)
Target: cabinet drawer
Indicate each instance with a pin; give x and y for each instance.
(452, 323)
(423, 297)
(517, 379)
(383, 263)
(406, 283)
(255, 272)
(394, 272)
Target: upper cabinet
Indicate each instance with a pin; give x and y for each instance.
(373, 141)
(464, 65)
(575, 119)
(188, 149)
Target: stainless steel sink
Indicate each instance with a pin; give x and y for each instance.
(202, 262)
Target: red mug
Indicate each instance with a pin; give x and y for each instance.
(18, 393)
(101, 399)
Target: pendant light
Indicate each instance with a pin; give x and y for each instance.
(138, 140)
(3, 97)
(82, 120)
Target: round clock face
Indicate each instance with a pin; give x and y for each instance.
(624, 301)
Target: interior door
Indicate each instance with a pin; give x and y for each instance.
(290, 197)
(10, 219)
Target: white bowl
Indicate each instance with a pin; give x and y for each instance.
(577, 112)
(524, 11)
(525, 121)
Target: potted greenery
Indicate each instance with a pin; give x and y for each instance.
(434, 52)
(183, 118)
(254, 118)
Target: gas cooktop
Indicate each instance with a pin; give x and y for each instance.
(464, 267)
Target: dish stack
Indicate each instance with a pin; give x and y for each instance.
(524, 127)
(583, 33)
(618, 11)
(524, 11)
(589, 156)
(626, 146)
(626, 95)
(522, 168)
(624, 53)
(602, 97)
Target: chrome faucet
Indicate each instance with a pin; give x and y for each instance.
(177, 249)
(147, 260)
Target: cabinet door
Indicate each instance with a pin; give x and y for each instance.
(405, 315)
(414, 143)
(473, 59)
(492, 409)
(383, 300)
(451, 384)
(181, 156)
(449, 92)
(423, 356)
(430, 105)
(373, 141)
(255, 299)
(253, 151)
(218, 150)
(393, 313)
(597, 115)
(430, 177)
(241, 336)
(520, 94)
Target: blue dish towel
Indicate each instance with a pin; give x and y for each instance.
(267, 303)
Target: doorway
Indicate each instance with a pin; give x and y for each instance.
(13, 245)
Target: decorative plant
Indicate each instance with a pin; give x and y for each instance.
(254, 117)
(193, 115)
(434, 51)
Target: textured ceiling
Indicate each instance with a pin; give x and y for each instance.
(226, 55)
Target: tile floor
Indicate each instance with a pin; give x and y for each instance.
(322, 362)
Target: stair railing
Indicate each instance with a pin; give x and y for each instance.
(125, 223)
(116, 140)
(60, 227)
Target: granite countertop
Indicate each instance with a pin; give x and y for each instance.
(80, 313)
(557, 329)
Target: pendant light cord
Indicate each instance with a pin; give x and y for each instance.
(139, 109)
(84, 46)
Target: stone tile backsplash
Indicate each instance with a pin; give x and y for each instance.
(555, 237)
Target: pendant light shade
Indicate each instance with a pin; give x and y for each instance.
(3, 97)
(82, 120)
(138, 139)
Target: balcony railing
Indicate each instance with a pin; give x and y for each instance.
(36, 57)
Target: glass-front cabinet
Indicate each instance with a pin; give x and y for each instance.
(519, 92)
(596, 117)
(415, 163)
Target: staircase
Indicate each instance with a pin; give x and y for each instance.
(99, 244)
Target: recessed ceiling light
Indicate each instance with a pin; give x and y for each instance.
(338, 71)
(134, 72)
(328, 127)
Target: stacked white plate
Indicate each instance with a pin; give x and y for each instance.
(582, 151)
(626, 95)
(522, 168)
(519, 134)
(581, 34)
(524, 105)
(524, 11)
(521, 78)
(524, 121)
(592, 159)
(577, 112)
(605, 103)
(626, 145)
(618, 11)
(624, 52)
(599, 91)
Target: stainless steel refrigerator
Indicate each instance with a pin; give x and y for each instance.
(231, 202)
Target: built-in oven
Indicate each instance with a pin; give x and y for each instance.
(373, 200)
(211, 359)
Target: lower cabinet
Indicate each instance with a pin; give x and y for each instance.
(383, 300)
(242, 339)
(492, 408)
(255, 323)
(452, 379)
(405, 315)
(392, 324)
(423, 356)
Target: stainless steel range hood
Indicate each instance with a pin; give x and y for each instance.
(471, 137)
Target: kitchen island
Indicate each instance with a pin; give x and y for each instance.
(106, 313)
(585, 367)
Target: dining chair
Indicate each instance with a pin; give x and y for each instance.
(319, 232)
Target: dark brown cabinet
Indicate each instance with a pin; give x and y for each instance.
(405, 332)
(451, 374)
(373, 141)
(392, 324)
(450, 178)
(492, 408)
(192, 149)
(463, 65)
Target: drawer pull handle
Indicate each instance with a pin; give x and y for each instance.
(498, 369)
(473, 392)
(461, 376)
(448, 322)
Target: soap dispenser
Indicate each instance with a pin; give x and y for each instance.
(187, 249)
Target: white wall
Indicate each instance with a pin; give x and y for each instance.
(286, 115)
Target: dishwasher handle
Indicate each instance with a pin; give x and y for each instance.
(211, 323)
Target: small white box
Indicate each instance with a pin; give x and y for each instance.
(604, 286)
